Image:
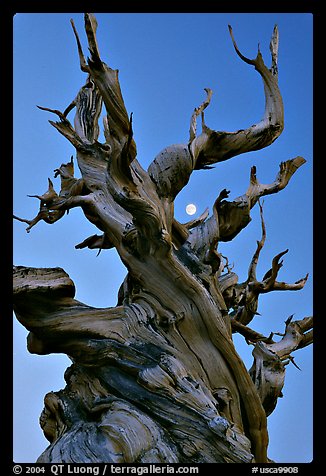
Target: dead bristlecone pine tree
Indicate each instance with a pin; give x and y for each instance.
(157, 379)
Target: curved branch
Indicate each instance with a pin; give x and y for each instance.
(96, 241)
(88, 105)
(125, 180)
(49, 198)
(44, 303)
(107, 82)
(229, 218)
(212, 146)
(44, 214)
(215, 146)
(73, 193)
(270, 358)
(269, 282)
(243, 297)
(249, 334)
(253, 265)
(66, 129)
(171, 170)
(257, 190)
(199, 110)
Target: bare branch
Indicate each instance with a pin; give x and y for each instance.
(171, 170)
(107, 83)
(215, 146)
(44, 214)
(281, 286)
(249, 334)
(88, 105)
(306, 340)
(65, 128)
(294, 333)
(96, 241)
(199, 110)
(270, 277)
(172, 167)
(50, 316)
(243, 297)
(257, 190)
(90, 28)
(269, 282)
(49, 198)
(270, 358)
(306, 323)
(197, 221)
(83, 63)
(234, 216)
(273, 46)
(260, 244)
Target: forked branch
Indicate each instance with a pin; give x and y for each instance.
(270, 358)
(53, 206)
(213, 146)
(230, 217)
(243, 297)
(172, 167)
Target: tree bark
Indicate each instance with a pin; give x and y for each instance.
(157, 378)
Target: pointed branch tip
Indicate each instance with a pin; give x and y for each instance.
(289, 319)
(244, 58)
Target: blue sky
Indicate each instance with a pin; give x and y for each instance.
(165, 61)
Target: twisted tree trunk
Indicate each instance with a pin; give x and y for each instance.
(157, 378)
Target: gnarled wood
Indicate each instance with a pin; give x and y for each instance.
(156, 378)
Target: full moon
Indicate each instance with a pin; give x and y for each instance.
(191, 209)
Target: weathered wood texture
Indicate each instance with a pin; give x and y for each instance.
(157, 378)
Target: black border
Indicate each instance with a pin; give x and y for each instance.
(8, 11)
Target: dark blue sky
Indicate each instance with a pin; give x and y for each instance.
(165, 61)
